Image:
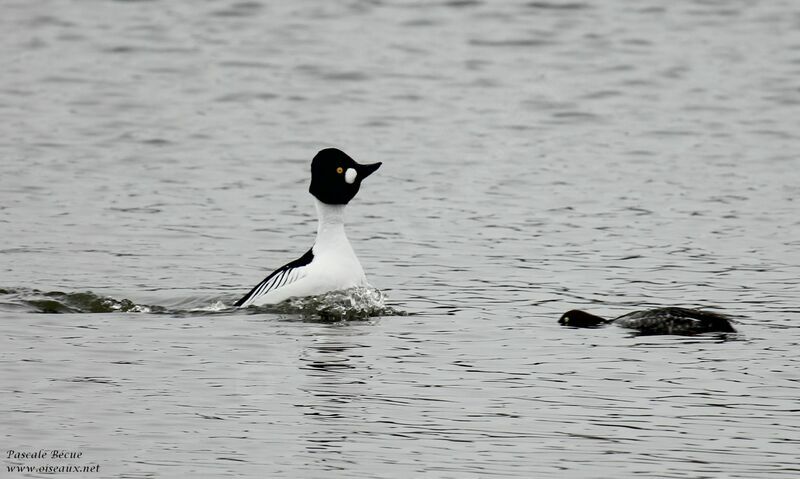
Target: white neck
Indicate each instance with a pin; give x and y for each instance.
(331, 221)
(334, 257)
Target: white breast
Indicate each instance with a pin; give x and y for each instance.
(334, 267)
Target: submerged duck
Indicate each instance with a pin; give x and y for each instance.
(330, 264)
(679, 321)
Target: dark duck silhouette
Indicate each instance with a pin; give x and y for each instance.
(678, 321)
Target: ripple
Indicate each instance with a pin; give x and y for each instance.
(351, 304)
(242, 97)
(518, 42)
(239, 10)
(567, 6)
(60, 302)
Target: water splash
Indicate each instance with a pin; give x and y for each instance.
(357, 303)
(215, 307)
(351, 304)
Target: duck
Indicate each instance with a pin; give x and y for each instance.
(330, 264)
(669, 320)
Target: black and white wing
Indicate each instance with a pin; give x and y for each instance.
(285, 275)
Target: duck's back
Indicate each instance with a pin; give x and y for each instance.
(675, 321)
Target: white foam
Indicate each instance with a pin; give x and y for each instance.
(361, 302)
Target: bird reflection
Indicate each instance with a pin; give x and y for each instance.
(337, 374)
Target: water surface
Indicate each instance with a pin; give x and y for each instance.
(537, 157)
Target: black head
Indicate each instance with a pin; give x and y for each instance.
(335, 177)
(581, 319)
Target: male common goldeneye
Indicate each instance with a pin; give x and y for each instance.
(330, 264)
(679, 321)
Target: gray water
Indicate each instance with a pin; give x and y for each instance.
(537, 157)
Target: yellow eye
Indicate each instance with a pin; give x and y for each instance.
(339, 170)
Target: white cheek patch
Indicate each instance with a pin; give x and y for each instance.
(350, 176)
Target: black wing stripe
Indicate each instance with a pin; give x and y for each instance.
(261, 288)
(265, 286)
(271, 284)
(283, 275)
(281, 279)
